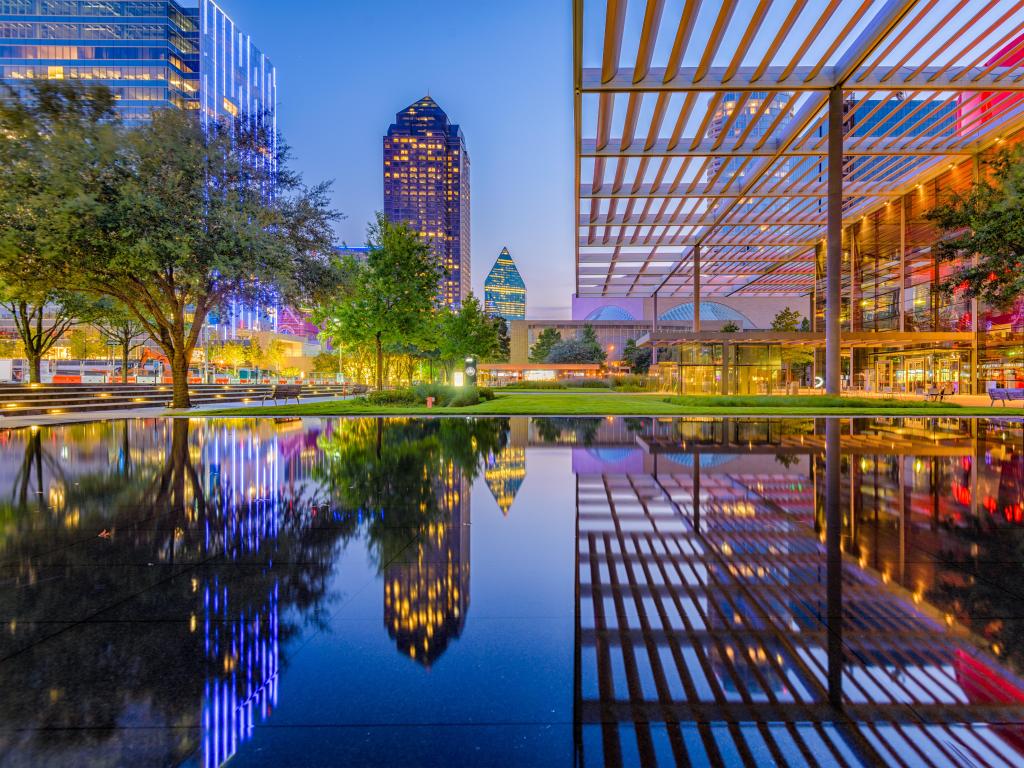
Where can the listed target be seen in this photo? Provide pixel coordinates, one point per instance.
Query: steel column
(833, 562)
(834, 253)
(696, 289)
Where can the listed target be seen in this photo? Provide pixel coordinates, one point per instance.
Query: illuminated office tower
(151, 53)
(426, 185)
(504, 289)
(426, 595)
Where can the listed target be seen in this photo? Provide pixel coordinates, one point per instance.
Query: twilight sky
(501, 70)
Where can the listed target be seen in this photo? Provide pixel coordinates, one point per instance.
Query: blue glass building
(504, 289)
(151, 53)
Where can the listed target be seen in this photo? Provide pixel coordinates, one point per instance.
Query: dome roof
(709, 310)
(610, 312)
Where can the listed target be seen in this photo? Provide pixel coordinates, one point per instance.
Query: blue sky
(501, 70)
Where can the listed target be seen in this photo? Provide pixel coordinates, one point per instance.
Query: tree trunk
(34, 366)
(124, 364)
(380, 364)
(179, 377)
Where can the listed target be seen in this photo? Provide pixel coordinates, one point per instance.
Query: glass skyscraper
(504, 289)
(426, 185)
(150, 53)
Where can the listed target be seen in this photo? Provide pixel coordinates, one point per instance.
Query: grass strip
(609, 404)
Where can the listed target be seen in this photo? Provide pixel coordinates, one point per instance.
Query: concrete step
(35, 402)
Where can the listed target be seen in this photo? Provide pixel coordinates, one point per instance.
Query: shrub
(486, 393)
(468, 396)
(634, 383)
(546, 384)
(587, 383)
(442, 394)
(392, 397)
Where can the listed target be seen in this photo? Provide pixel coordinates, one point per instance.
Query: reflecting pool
(574, 591)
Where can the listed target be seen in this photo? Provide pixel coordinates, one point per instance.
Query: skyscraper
(150, 53)
(426, 185)
(504, 289)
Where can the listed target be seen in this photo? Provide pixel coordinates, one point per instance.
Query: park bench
(1004, 394)
(937, 394)
(284, 392)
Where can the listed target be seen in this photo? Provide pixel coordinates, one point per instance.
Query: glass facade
(504, 289)
(426, 185)
(151, 53)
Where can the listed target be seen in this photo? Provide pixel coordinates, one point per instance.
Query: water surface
(513, 592)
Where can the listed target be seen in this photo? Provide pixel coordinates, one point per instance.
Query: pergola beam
(800, 79)
(938, 145)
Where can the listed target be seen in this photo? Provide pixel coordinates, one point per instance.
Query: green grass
(557, 403)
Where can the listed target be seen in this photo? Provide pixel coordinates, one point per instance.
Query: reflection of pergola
(705, 636)
(706, 137)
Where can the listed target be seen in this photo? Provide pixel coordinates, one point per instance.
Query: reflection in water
(169, 504)
(748, 590)
(408, 481)
(729, 612)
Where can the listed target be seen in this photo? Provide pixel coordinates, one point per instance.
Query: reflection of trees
(151, 645)
(391, 472)
(567, 429)
(407, 481)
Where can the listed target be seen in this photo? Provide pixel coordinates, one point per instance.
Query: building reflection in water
(408, 483)
(190, 500)
(426, 597)
(505, 472)
(721, 620)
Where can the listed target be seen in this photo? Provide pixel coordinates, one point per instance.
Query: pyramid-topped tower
(505, 289)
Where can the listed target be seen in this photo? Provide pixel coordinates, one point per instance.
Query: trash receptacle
(430, 402)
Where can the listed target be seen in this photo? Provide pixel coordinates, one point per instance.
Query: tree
(230, 354)
(542, 347)
(466, 332)
(789, 321)
(730, 327)
(786, 320)
(391, 298)
(987, 221)
(174, 218)
(43, 139)
(41, 316)
(573, 351)
(637, 358)
(589, 337)
(325, 363)
(121, 328)
(504, 348)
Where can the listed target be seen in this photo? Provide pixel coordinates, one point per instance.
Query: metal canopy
(704, 123)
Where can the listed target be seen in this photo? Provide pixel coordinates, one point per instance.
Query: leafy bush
(634, 383)
(486, 393)
(546, 384)
(392, 397)
(587, 383)
(442, 394)
(468, 396)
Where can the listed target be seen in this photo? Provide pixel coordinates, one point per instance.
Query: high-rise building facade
(504, 289)
(151, 53)
(426, 185)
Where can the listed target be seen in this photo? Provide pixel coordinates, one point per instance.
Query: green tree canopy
(390, 300)
(793, 357)
(987, 221)
(119, 327)
(171, 218)
(465, 332)
(45, 140)
(542, 347)
(637, 358)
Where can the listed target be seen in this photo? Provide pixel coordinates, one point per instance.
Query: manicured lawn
(556, 403)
